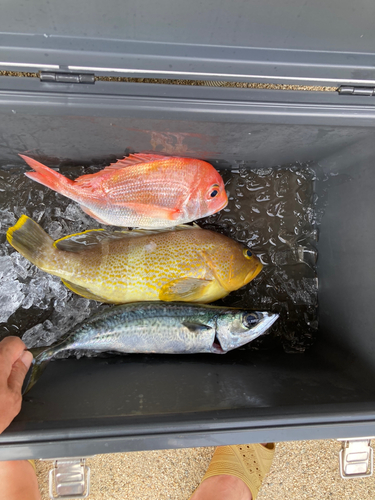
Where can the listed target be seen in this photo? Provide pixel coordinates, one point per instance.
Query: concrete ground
(302, 470)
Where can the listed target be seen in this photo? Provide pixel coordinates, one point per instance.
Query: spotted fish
(187, 263)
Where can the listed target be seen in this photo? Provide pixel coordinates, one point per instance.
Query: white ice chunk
(7, 271)
(55, 230)
(73, 212)
(7, 219)
(40, 335)
(21, 265)
(11, 297)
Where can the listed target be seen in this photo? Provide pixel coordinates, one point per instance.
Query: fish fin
(38, 365)
(79, 242)
(134, 233)
(128, 161)
(80, 290)
(29, 239)
(155, 211)
(183, 289)
(94, 216)
(137, 158)
(196, 327)
(47, 176)
(143, 232)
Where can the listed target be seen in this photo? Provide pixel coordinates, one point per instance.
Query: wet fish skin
(164, 328)
(142, 190)
(185, 263)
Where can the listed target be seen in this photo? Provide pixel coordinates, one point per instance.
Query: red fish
(142, 190)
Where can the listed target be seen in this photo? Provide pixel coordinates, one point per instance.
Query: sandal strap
(249, 462)
(32, 462)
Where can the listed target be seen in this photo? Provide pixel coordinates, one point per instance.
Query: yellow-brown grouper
(185, 263)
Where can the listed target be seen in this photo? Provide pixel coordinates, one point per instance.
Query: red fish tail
(48, 177)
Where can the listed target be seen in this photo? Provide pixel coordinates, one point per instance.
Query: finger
(11, 349)
(19, 370)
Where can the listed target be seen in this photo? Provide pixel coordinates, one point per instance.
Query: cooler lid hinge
(349, 90)
(51, 76)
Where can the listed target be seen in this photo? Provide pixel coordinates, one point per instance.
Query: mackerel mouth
(216, 346)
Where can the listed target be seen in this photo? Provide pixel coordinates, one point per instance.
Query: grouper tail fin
(30, 240)
(39, 364)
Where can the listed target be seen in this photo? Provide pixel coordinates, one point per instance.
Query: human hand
(14, 364)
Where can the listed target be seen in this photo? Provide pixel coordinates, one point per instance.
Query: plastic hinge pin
(50, 76)
(69, 479)
(364, 91)
(356, 458)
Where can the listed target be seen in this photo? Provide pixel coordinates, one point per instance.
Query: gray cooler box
(88, 406)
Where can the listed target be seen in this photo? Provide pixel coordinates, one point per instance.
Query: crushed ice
(33, 304)
(273, 211)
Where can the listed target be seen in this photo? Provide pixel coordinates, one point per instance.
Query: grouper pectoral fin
(80, 290)
(184, 289)
(196, 327)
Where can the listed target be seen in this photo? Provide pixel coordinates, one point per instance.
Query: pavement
(301, 470)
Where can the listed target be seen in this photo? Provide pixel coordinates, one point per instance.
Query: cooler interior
(312, 379)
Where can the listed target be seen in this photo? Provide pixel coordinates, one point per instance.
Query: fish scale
(188, 263)
(146, 327)
(148, 191)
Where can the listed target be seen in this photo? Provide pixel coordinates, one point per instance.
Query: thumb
(19, 371)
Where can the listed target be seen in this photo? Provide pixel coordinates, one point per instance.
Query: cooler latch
(356, 458)
(348, 90)
(50, 76)
(69, 478)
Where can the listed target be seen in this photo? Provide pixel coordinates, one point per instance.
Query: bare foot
(222, 487)
(18, 481)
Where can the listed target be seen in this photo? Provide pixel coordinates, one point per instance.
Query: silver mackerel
(158, 327)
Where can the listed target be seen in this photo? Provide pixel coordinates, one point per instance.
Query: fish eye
(214, 191)
(250, 320)
(247, 253)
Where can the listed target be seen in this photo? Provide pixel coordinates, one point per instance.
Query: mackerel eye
(214, 191)
(247, 253)
(250, 320)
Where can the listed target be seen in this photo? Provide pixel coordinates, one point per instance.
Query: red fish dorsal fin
(128, 161)
(133, 159)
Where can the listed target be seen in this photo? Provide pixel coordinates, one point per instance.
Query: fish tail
(38, 366)
(31, 241)
(48, 177)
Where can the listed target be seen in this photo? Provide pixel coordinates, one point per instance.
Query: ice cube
(11, 297)
(31, 336)
(72, 212)
(55, 230)
(21, 265)
(7, 271)
(7, 219)
(40, 335)
(38, 213)
(27, 301)
(38, 288)
(59, 293)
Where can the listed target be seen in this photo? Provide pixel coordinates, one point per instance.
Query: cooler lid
(323, 42)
